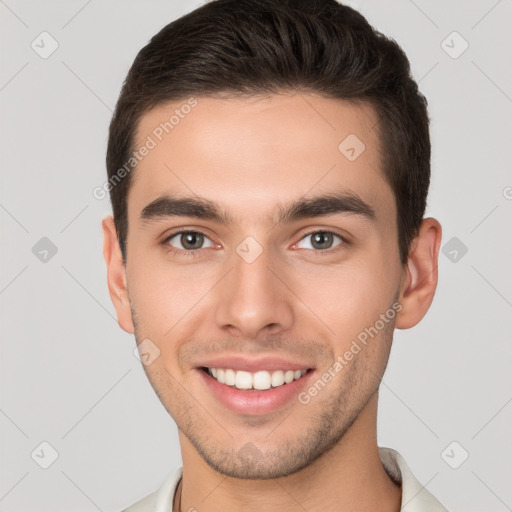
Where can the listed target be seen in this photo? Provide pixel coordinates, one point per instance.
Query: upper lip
(253, 363)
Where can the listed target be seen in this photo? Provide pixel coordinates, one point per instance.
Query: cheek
(166, 297)
(345, 300)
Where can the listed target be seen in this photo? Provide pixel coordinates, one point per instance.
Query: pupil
(322, 239)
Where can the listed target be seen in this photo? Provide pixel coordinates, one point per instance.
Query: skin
(294, 301)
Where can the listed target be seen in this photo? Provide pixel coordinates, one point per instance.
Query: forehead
(251, 154)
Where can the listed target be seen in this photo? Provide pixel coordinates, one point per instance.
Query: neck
(348, 477)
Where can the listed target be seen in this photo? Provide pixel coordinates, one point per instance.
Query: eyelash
(194, 253)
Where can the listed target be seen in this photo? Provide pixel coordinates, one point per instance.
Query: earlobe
(116, 275)
(420, 275)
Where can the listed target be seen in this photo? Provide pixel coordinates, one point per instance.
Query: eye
(189, 241)
(321, 240)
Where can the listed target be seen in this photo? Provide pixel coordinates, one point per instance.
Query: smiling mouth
(255, 381)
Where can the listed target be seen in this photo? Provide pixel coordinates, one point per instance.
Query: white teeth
(243, 380)
(289, 376)
(229, 377)
(277, 378)
(260, 380)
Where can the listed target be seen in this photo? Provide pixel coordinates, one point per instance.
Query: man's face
(262, 293)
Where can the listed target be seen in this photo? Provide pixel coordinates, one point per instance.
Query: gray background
(68, 373)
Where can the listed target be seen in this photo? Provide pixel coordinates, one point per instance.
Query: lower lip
(254, 402)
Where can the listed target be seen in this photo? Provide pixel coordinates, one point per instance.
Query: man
(269, 164)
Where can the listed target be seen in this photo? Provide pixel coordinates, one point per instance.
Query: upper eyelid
(184, 231)
(343, 237)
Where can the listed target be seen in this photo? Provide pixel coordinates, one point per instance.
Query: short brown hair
(252, 47)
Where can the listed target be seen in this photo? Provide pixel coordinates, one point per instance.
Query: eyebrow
(202, 208)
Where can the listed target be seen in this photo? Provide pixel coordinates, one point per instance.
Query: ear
(116, 275)
(419, 279)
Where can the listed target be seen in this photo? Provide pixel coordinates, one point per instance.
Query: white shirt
(415, 498)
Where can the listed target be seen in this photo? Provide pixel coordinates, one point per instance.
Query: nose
(253, 299)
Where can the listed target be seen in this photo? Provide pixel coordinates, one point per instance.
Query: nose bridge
(252, 297)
